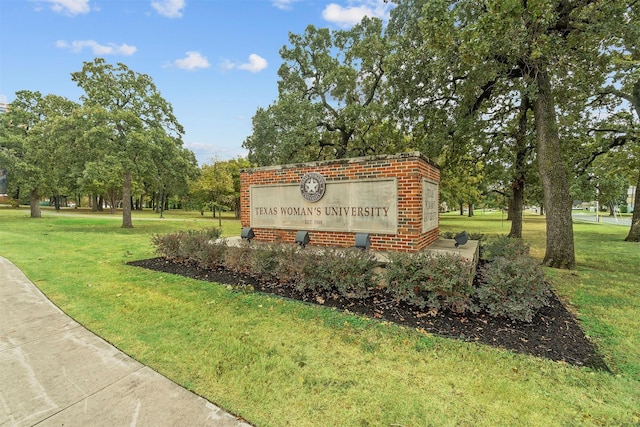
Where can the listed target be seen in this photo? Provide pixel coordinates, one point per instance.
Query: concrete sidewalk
(54, 372)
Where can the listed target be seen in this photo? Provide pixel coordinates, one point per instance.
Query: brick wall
(408, 168)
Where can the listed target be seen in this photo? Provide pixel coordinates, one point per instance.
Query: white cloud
(69, 7)
(97, 48)
(283, 4)
(352, 14)
(192, 61)
(169, 8)
(256, 64)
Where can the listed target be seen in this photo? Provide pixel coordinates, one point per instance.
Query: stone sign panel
(353, 206)
(430, 197)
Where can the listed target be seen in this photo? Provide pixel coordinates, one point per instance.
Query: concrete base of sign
(469, 251)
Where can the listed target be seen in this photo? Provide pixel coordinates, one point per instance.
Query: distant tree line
(120, 147)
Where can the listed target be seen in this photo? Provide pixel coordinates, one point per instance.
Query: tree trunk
(510, 209)
(461, 209)
(470, 213)
(100, 203)
(515, 208)
(34, 202)
(560, 251)
(158, 198)
(126, 201)
(517, 185)
(634, 231)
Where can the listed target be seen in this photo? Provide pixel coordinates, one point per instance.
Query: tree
(172, 170)
(133, 117)
(31, 145)
(213, 184)
(234, 166)
(104, 177)
(624, 87)
(481, 55)
(331, 99)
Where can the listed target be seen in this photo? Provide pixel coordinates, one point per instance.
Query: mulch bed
(553, 333)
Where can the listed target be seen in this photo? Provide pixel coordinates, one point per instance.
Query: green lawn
(278, 362)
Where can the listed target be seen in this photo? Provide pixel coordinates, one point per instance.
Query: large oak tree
(474, 58)
(332, 101)
(134, 120)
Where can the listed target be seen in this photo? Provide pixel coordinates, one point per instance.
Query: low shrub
(350, 271)
(513, 287)
(315, 271)
(188, 245)
(503, 246)
(238, 258)
(437, 281)
(274, 261)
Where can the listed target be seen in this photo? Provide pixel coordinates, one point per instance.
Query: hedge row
(513, 284)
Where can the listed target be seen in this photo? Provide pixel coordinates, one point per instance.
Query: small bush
(352, 271)
(314, 271)
(504, 246)
(438, 281)
(187, 245)
(274, 261)
(513, 287)
(238, 258)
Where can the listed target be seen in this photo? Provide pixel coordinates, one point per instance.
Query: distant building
(3, 107)
(631, 197)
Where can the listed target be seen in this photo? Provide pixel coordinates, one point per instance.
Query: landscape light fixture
(363, 241)
(302, 238)
(247, 233)
(461, 238)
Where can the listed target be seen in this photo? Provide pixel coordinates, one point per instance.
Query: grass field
(277, 362)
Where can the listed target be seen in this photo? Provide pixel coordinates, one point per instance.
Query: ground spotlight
(363, 241)
(302, 238)
(461, 238)
(247, 233)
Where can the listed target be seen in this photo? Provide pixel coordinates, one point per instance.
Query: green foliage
(191, 245)
(271, 261)
(437, 281)
(136, 125)
(331, 101)
(513, 287)
(504, 246)
(236, 258)
(350, 271)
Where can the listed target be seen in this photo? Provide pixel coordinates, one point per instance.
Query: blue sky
(215, 61)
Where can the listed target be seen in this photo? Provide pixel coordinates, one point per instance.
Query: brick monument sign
(393, 198)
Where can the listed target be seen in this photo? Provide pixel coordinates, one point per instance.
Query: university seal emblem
(312, 186)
